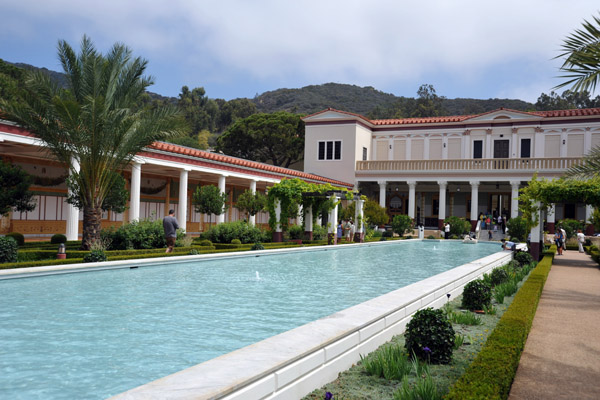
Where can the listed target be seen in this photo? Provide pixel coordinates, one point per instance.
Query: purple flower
(328, 396)
(426, 349)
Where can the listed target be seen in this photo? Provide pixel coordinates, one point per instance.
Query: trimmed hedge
(491, 374)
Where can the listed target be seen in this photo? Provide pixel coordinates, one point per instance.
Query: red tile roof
(580, 112)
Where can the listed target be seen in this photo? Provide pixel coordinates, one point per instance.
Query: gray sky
(235, 48)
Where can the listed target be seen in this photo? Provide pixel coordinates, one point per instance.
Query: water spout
(257, 276)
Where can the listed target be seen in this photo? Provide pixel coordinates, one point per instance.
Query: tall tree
(95, 122)
(251, 203)
(567, 100)
(15, 189)
(277, 138)
(209, 200)
(582, 52)
(429, 104)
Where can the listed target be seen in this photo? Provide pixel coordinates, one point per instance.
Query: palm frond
(589, 168)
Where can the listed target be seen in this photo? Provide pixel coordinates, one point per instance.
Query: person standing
(564, 238)
(558, 241)
(580, 240)
(446, 231)
(170, 226)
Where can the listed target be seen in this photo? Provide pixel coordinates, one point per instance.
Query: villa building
(163, 176)
(432, 168)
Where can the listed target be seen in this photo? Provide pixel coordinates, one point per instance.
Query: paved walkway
(561, 359)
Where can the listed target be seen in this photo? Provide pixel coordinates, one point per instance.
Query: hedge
(491, 374)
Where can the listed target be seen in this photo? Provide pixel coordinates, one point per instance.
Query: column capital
(515, 183)
(442, 183)
(411, 184)
(380, 183)
(474, 183)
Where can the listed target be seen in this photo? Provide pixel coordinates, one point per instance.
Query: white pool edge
(294, 363)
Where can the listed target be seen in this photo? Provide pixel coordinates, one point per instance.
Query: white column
(134, 201)
(252, 219)
(183, 200)
(444, 147)
(589, 209)
(442, 202)
(514, 198)
(72, 232)
(488, 144)
(474, 199)
(278, 216)
(333, 216)
(411, 198)
(513, 144)
(358, 212)
(308, 220)
(551, 215)
(221, 218)
(382, 189)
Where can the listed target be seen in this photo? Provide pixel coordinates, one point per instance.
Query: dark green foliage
(143, 234)
(94, 256)
(512, 265)
(498, 276)
(523, 258)
(402, 224)
(236, 242)
(257, 246)
(375, 214)
(296, 232)
(193, 252)
(15, 189)
(205, 242)
(18, 237)
(491, 374)
(517, 228)
(570, 226)
(251, 203)
(209, 200)
(430, 336)
(389, 362)
(226, 232)
(115, 200)
(58, 238)
(8, 250)
(319, 232)
(277, 138)
(458, 226)
(387, 234)
(476, 295)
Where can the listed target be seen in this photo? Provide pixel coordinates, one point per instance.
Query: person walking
(170, 225)
(564, 238)
(580, 240)
(558, 241)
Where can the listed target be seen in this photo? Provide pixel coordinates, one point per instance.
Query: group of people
(490, 221)
(560, 239)
(346, 229)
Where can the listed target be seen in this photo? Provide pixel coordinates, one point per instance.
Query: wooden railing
(527, 164)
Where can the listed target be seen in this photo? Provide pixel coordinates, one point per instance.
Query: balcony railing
(487, 164)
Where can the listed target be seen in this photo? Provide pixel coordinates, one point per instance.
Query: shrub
(205, 242)
(388, 362)
(512, 265)
(430, 237)
(94, 256)
(193, 252)
(319, 232)
(257, 246)
(523, 258)
(464, 318)
(226, 232)
(296, 232)
(143, 234)
(236, 242)
(517, 228)
(58, 238)
(19, 238)
(8, 250)
(386, 234)
(498, 276)
(458, 226)
(430, 336)
(476, 295)
(402, 224)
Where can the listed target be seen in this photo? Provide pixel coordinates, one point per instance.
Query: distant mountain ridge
(366, 101)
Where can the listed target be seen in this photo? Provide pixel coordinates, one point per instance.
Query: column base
(308, 235)
(277, 237)
(331, 238)
(359, 237)
(534, 250)
(589, 230)
(551, 227)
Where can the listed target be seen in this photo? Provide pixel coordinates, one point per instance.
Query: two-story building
(431, 168)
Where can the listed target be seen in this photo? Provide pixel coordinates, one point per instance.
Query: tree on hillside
(428, 104)
(96, 122)
(15, 189)
(11, 81)
(566, 100)
(277, 138)
(200, 111)
(233, 110)
(582, 52)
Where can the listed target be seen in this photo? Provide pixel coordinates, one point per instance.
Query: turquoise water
(96, 334)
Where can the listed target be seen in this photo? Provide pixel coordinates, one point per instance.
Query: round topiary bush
(498, 276)
(205, 242)
(523, 258)
(94, 256)
(193, 252)
(236, 242)
(430, 336)
(257, 246)
(19, 238)
(476, 295)
(58, 238)
(8, 250)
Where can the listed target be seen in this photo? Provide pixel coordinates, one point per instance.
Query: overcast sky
(238, 48)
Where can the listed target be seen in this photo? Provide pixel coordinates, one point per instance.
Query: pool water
(96, 334)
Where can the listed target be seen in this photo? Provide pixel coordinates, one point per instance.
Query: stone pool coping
(294, 363)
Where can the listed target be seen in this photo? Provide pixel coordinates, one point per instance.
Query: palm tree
(589, 168)
(95, 122)
(582, 64)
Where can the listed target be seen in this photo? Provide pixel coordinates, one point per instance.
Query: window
(364, 154)
(478, 149)
(331, 150)
(525, 148)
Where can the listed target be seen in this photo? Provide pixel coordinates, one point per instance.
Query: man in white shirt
(580, 240)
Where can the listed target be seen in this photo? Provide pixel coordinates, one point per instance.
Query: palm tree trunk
(92, 217)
